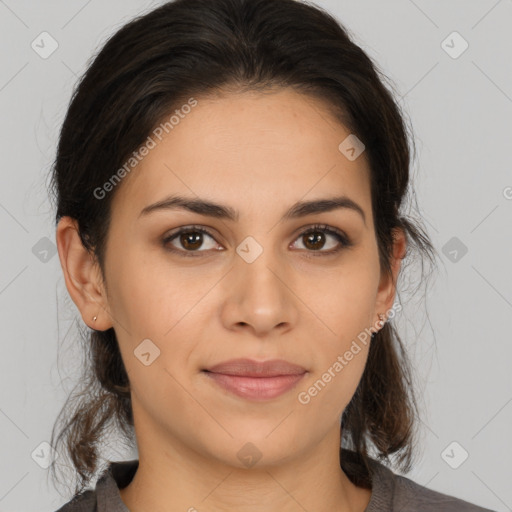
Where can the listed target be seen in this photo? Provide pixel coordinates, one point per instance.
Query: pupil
(311, 237)
(187, 240)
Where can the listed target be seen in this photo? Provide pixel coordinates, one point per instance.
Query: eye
(191, 238)
(314, 239)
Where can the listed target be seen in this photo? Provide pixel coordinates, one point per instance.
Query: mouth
(256, 380)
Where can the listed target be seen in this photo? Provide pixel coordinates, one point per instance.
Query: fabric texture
(390, 492)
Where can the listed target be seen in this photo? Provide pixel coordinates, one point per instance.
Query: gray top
(390, 493)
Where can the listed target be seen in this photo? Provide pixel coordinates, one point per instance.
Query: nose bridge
(259, 290)
(257, 265)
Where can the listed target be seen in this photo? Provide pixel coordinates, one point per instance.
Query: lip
(252, 368)
(256, 380)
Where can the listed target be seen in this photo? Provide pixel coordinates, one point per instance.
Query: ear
(82, 275)
(387, 285)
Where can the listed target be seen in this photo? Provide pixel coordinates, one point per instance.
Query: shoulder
(405, 494)
(411, 494)
(105, 495)
(396, 493)
(85, 502)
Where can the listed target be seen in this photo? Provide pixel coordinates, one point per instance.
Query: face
(187, 290)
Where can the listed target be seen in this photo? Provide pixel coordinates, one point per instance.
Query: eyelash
(323, 228)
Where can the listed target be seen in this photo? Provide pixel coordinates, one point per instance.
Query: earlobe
(82, 276)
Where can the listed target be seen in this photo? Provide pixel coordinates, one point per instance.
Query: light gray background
(461, 110)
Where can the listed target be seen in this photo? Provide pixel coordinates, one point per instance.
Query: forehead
(250, 150)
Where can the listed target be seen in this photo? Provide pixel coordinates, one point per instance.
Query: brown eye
(191, 240)
(188, 241)
(315, 239)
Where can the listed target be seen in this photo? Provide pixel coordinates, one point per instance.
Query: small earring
(381, 320)
(94, 319)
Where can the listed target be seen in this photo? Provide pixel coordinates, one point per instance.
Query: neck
(181, 478)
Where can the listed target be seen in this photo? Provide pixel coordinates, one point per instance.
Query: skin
(258, 154)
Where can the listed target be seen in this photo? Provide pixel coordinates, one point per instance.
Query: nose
(259, 296)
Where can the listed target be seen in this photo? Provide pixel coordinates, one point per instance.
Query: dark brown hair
(195, 48)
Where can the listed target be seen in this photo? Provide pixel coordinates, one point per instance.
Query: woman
(228, 182)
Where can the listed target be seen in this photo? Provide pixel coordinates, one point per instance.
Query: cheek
(331, 387)
(147, 296)
(344, 302)
(346, 313)
(152, 301)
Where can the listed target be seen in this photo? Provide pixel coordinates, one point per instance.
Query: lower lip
(256, 388)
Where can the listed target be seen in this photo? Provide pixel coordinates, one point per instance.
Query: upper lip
(252, 368)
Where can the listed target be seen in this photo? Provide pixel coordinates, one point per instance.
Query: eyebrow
(219, 211)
